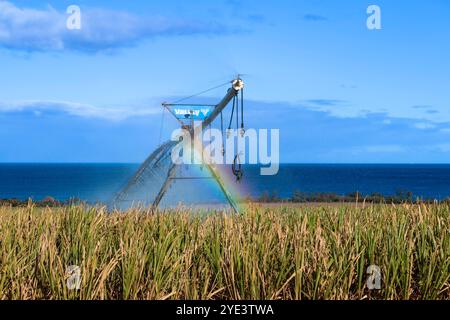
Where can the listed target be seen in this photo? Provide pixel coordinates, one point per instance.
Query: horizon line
(258, 164)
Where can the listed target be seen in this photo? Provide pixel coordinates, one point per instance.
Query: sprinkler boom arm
(232, 92)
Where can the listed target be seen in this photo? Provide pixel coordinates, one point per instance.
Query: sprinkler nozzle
(242, 131)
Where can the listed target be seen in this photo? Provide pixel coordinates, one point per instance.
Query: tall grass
(305, 252)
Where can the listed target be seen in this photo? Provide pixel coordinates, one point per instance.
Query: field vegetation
(282, 252)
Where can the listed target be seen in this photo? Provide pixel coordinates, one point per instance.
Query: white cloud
(384, 149)
(39, 108)
(445, 147)
(425, 125)
(41, 30)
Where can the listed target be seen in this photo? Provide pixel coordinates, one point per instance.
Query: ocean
(99, 182)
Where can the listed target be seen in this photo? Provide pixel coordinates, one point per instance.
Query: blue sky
(337, 91)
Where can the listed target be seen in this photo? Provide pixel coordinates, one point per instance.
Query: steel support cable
(237, 113)
(237, 166)
(232, 113)
(242, 109)
(200, 93)
(221, 130)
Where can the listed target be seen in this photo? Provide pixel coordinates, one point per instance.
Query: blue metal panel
(191, 112)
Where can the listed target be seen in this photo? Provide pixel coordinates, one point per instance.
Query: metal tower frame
(236, 86)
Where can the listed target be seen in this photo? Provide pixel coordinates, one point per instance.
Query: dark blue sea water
(98, 182)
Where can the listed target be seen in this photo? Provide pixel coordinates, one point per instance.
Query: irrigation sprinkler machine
(161, 181)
